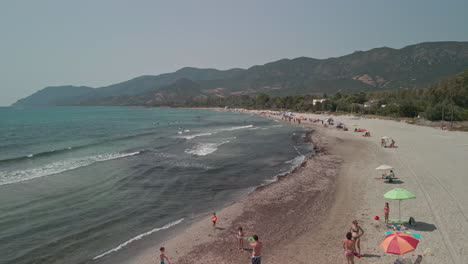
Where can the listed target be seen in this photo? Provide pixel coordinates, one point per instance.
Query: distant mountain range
(413, 66)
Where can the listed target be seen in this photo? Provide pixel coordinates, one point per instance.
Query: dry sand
(303, 217)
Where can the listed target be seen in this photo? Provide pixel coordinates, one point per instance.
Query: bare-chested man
(162, 256)
(257, 250)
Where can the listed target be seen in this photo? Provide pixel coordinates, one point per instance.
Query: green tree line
(446, 99)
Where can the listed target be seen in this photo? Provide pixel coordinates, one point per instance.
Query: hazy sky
(97, 42)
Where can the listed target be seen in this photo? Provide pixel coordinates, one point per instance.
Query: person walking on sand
(349, 248)
(257, 250)
(240, 236)
(386, 212)
(162, 256)
(357, 232)
(214, 219)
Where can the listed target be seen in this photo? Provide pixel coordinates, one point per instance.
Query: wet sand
(303, 217)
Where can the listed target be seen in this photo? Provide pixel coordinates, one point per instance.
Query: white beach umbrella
(384, 167)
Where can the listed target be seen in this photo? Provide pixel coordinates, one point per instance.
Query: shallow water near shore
(79, 184)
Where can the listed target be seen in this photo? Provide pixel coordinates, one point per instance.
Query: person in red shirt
(214, 219)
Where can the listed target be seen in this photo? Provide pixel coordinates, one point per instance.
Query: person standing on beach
(386, 212)
(240, 236)
(162, 256)
(257, 250)
(349, 248)
(357, 232)
(214, 219)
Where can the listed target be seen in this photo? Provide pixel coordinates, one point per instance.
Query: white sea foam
(189, 164)
(216, 131)
(197, 135)
(203, 149)
(8, 177)
(234, 128)
(138, 238)
(296, 161)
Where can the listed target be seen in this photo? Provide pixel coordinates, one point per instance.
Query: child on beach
(214, 219)
(240, 236)
(163, 256)
(349, 248)
(386, 212)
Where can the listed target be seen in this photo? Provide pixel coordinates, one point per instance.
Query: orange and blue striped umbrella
(399, 243)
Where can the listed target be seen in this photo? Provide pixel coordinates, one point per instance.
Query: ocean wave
(8, 177)
(203, 149)
(234, 128)
(296, 161)
(138, 238)
(189, 164)
(197, 135)
(72, 148)
(216, 131)
(42, 154)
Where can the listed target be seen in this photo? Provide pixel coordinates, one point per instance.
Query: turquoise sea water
(83, 184)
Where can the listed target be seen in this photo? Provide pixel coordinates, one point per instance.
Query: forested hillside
(415, 66)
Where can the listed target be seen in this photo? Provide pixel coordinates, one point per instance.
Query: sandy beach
(302, 217)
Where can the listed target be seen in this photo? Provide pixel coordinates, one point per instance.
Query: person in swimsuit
(257, 250)
(357, 232)
(214, 219)
(162, 256)
(240, 236)
(386, 212)
(349, 248)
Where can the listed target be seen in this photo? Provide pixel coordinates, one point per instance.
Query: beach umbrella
(384, 167)
(399, 243)
(385, 137)
(339, 123)
(362, 130)
(399, 194)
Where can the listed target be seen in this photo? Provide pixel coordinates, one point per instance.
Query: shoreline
(303, 217)
(199, 237)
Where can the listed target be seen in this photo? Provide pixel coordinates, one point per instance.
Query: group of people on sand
(352, 242)
(254, 242)
(383, 143)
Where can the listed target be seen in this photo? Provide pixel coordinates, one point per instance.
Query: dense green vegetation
(446, 99)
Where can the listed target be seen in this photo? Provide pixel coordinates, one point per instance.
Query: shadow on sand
(395, 182)
(423, 226)
(370, 256)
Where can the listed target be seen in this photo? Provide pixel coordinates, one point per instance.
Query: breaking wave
(138, 238)
(8, 177)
